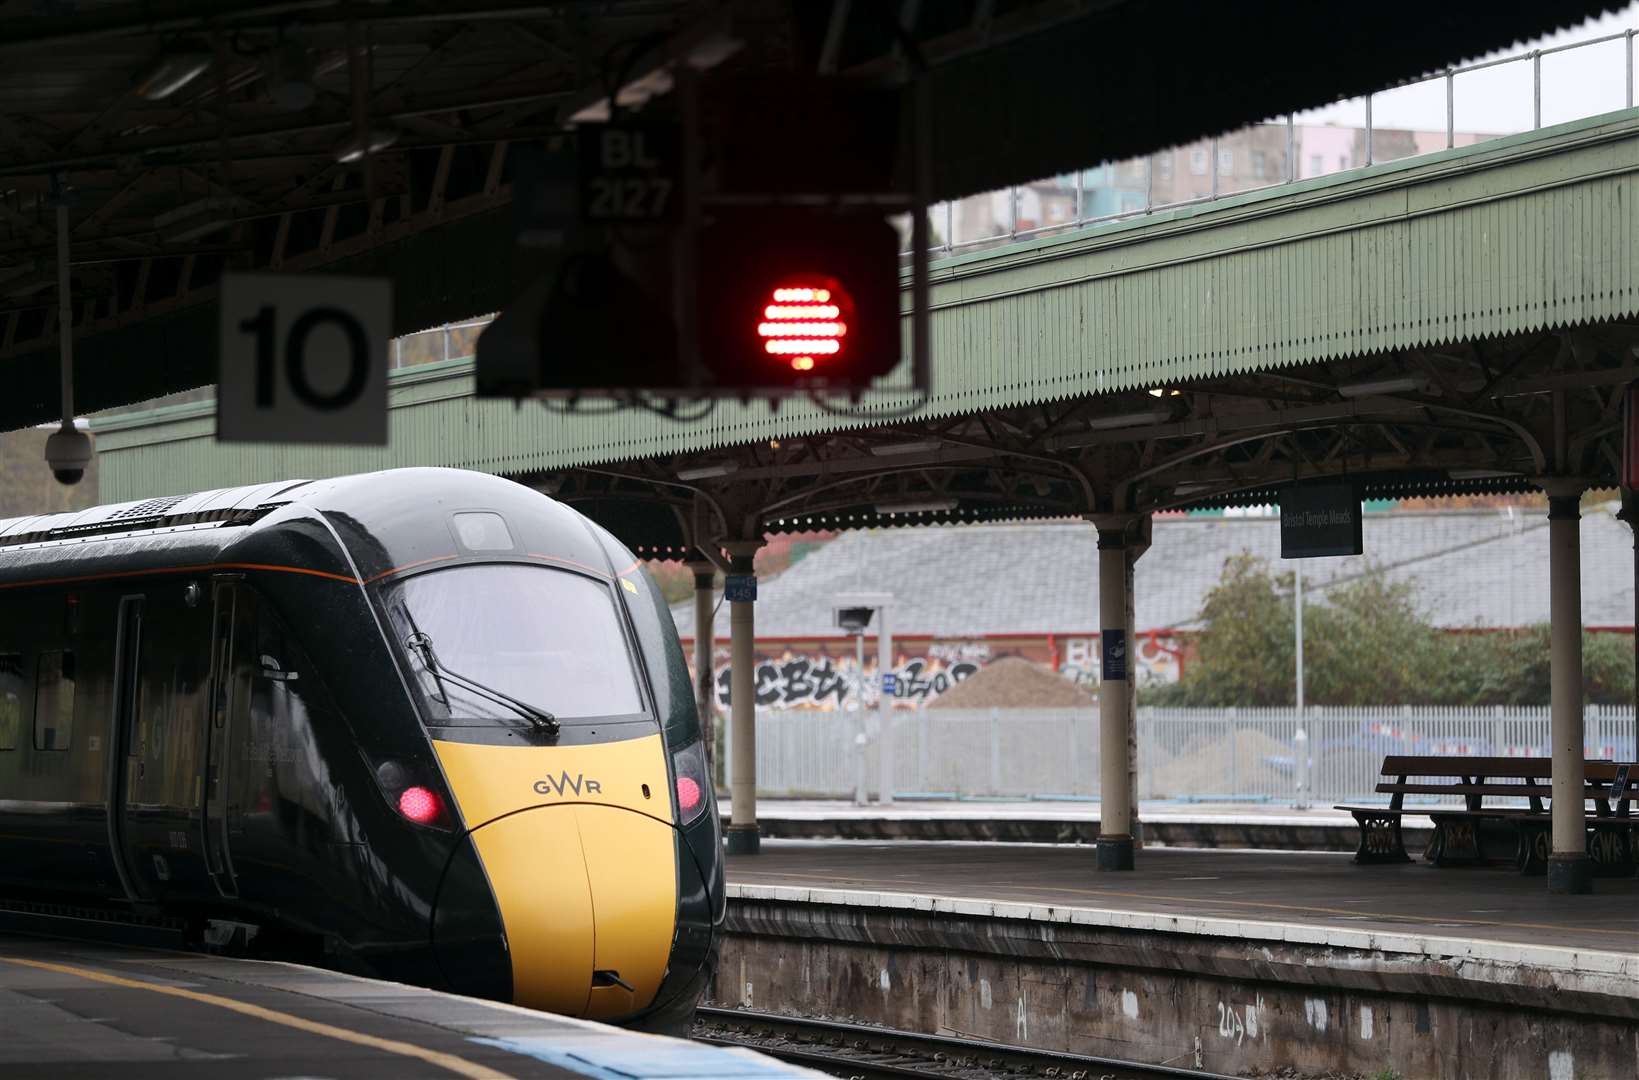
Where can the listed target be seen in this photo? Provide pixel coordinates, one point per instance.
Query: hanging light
(178, 64)
(354, 148)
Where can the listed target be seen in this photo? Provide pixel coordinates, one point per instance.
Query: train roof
(380, 520)
(238, 505)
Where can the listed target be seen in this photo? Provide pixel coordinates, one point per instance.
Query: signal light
(806, 321)
(798, 297)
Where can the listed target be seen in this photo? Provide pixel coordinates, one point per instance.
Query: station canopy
(260, 158)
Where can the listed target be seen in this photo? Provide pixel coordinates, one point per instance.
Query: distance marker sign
(303, 359)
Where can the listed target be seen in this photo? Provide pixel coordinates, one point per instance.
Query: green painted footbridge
(1509, 237)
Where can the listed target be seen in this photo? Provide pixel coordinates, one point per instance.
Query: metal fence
(1206, 755)
(1518, 93)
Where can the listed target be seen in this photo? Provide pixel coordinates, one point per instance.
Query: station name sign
(1320, 520)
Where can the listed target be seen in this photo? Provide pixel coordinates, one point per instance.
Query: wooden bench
(1612, 832)
(1473, 832)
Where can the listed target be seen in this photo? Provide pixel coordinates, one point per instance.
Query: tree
(1367, 643)
(1245, 648)
(1514, 668)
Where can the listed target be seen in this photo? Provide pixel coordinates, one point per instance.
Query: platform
(1172, 823)
(1230, 960)
(1275, 888)
(73, 1010)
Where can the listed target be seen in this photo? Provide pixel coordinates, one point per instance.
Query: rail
(1239, 161)
(858, 1050)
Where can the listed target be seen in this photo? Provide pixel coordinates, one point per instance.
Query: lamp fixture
(1398, 384)
(1132, 419)
(353, 148)
(708, 472)
(915, 506)
(922, 446)
(701, 48)
(178, 65)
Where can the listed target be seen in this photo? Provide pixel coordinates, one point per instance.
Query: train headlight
(693, 784)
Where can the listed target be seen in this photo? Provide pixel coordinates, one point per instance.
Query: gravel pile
(1217, 766)
(1013, 682)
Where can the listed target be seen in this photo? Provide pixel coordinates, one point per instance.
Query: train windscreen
(488, 642)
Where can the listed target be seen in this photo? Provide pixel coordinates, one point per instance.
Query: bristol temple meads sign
(1320, 519)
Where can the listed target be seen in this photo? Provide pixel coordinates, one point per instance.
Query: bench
(1612, 844)
(1471, 833)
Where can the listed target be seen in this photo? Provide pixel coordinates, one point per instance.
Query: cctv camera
(854, 619)
(68, 452)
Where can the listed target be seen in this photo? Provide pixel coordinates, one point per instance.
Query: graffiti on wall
(801, 681)
(824, 678)
(1156, 662)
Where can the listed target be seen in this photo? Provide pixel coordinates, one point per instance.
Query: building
(965, 595)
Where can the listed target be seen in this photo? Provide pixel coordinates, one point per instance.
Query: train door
(123, 759)
(228, 642)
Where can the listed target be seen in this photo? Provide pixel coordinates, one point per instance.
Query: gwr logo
(564, 784)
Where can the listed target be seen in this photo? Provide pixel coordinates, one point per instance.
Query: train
(427, 724)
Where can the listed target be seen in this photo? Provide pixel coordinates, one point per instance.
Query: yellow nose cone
(586, 882)
(583, 889)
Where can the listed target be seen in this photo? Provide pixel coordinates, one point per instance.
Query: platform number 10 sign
(303, 359)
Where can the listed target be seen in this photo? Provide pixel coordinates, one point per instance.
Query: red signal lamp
(804, 320)
(794, 299)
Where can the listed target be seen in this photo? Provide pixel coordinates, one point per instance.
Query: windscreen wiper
(542, 720)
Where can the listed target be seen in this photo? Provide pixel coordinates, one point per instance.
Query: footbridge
(1419, 323)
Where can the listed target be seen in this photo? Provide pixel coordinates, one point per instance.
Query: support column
(1138, 542)
(743, 837)
(1630, 514)
(1115, 841)
(1569, 870)
(705, 641)
(884, 708)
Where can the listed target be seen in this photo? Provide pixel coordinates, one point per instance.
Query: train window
(54, 700)
(11, 699)
(548, 637)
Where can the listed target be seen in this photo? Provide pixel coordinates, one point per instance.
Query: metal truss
(1494, 415)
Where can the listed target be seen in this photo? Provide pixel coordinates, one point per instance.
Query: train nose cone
(588, 899)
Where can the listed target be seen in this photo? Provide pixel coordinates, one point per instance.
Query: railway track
(872, 1053)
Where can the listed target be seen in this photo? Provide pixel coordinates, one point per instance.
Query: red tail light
(688, 794)
(412, 788)
(689, 766)
(420, 805)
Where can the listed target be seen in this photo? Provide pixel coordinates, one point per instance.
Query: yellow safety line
(457, 1065)
(1203, 901)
